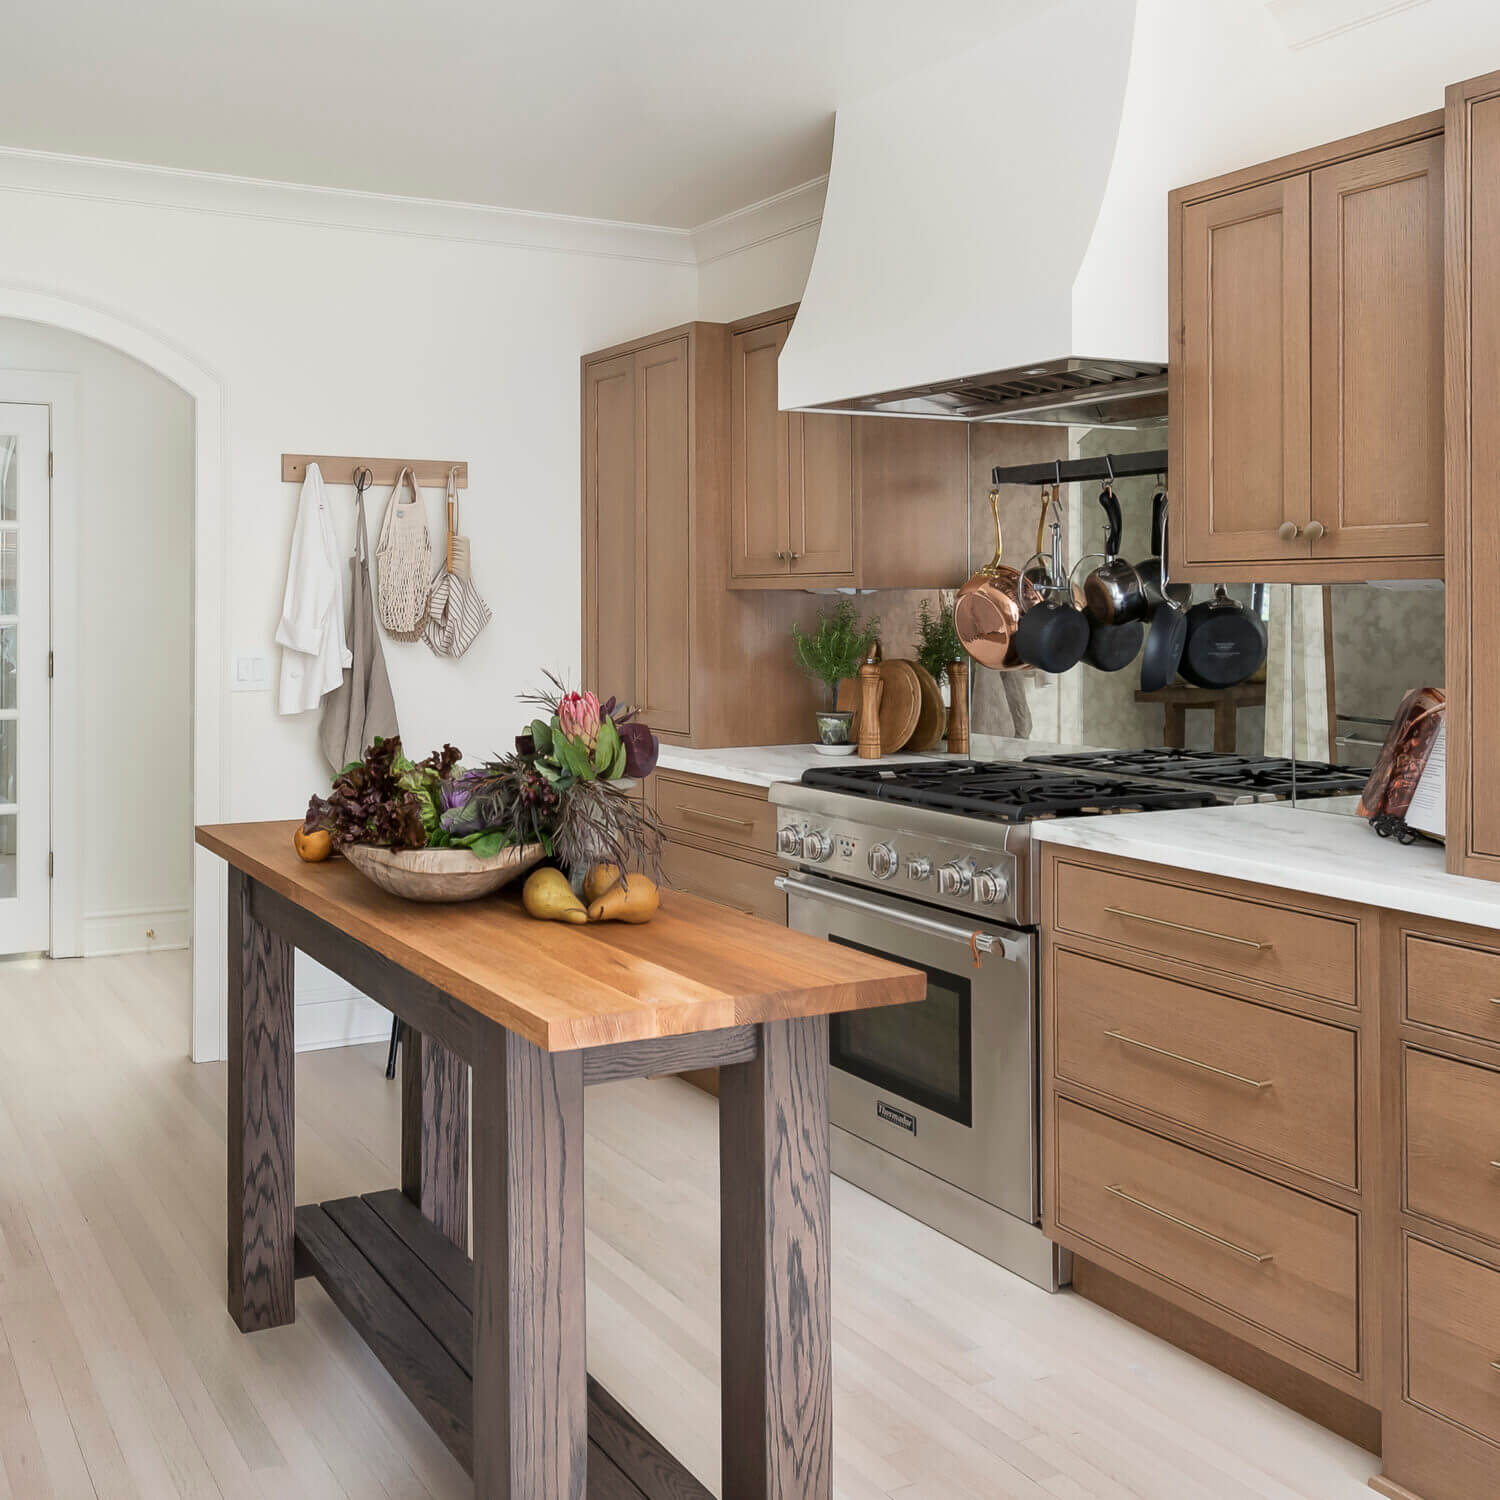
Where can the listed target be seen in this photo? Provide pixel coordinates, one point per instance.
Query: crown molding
(97, 180)
(1306, 23)
(758, 223)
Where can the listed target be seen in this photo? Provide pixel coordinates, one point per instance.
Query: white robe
(311, 632)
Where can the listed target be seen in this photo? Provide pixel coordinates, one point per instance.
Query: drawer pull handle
(1223, 937)
(1215, 1239)
(1495, 1366)
(1192, 1062)
(1496, 1165)
(692, 812)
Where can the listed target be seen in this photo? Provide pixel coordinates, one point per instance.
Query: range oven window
(921, 1052)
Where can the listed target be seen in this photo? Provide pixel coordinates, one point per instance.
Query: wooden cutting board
(930, 720)
(900, 703)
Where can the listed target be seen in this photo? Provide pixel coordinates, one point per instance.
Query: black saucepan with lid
(1225, 645)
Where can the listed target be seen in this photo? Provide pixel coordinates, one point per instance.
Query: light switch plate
(251, 674)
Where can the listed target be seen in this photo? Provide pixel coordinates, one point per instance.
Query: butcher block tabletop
(696, 966)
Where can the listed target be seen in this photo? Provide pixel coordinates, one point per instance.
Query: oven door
(948, 1083)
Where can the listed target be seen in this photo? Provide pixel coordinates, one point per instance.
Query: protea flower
(578, 717)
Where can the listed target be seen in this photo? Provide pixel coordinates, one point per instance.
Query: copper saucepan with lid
(989, 607)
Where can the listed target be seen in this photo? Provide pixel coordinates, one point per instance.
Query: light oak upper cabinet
(1306, 391)
(1473, 422)
(661, 626)
(637, 492)
(820, 500)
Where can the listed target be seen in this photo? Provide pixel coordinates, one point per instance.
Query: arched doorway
(211, 742)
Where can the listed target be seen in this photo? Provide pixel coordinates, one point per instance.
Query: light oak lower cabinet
(720, 844)
(1210, 1107)
(1441, 1102)
(1291, 1169)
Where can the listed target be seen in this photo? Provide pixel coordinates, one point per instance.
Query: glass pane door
(25, 695)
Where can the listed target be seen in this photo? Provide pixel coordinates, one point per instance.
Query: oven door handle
(977, 941)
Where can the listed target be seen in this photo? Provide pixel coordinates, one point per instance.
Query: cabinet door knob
(1289, 531)
(795, 556)
(781, 557)
(1316, 531)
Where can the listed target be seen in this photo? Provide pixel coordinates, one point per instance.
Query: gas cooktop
(1254, 777)
(1002, 791)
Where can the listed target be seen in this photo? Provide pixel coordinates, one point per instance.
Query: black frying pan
(1167, 633)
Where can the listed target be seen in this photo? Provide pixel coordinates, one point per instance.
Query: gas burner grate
(1001, 791)
(1264, 775)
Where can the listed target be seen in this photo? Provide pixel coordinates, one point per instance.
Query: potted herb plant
(937, 642)
(830, 652)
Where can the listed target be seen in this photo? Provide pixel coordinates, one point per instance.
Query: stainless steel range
(935, 1105)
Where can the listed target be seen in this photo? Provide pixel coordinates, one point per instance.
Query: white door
(25, 693)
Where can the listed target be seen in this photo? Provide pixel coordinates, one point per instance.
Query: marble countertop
(765, 765)
(1293, 848)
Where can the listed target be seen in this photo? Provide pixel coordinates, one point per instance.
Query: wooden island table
(492, 1350)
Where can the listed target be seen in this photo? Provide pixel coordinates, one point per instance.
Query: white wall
(1215, 87)
(340, 324)
(133, 498)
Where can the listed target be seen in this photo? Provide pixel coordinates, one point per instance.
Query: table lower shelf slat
(409, 1293)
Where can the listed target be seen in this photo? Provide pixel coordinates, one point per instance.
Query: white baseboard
(349, 1021)
(124, 930)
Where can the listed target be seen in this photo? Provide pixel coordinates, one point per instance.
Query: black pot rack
(1069, 471)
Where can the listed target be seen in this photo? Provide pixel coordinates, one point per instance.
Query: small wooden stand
(869, 705)
(958, 708)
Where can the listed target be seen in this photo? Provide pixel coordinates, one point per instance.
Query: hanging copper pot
(989, 607)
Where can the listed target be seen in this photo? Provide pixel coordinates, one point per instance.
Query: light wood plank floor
(122, 1376)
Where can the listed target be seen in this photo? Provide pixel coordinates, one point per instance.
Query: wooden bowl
(441, 874)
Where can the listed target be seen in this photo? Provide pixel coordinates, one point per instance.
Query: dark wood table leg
(530, 1375)
(435, 1133)
(775, 1265)
(260, 1118)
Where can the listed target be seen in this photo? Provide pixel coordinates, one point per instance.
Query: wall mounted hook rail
(431, 473)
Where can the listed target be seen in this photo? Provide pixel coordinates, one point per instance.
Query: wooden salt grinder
(870, 687)
(958, 708)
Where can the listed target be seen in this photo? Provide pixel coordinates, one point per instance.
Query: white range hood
(962, 205)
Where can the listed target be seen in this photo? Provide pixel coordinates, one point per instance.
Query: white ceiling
(669, 112)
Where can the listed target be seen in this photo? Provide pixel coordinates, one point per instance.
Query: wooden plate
(900, 703)
(929, 728)
(442, 874)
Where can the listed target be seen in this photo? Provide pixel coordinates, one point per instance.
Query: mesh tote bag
(403, 559)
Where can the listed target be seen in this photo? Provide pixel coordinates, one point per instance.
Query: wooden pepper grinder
(870, 692)
(958, 708)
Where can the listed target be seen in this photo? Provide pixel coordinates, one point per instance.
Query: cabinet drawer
(1281, 1260)
(1274, 1083)
(708, 811)
(1453, 1337)
(1453, 1143)
(721, 877)
(1295, 950)
(1453, 987)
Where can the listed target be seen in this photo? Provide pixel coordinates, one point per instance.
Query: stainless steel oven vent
(1072, 392)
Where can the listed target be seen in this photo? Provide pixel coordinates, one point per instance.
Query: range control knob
(883, 861)
(816, 847)
(954, 879)
(918, 869)
(990, 886)
(789, 841)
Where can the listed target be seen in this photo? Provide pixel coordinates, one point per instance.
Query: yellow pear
(598, 880)
(548, 895)
(635, 900)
